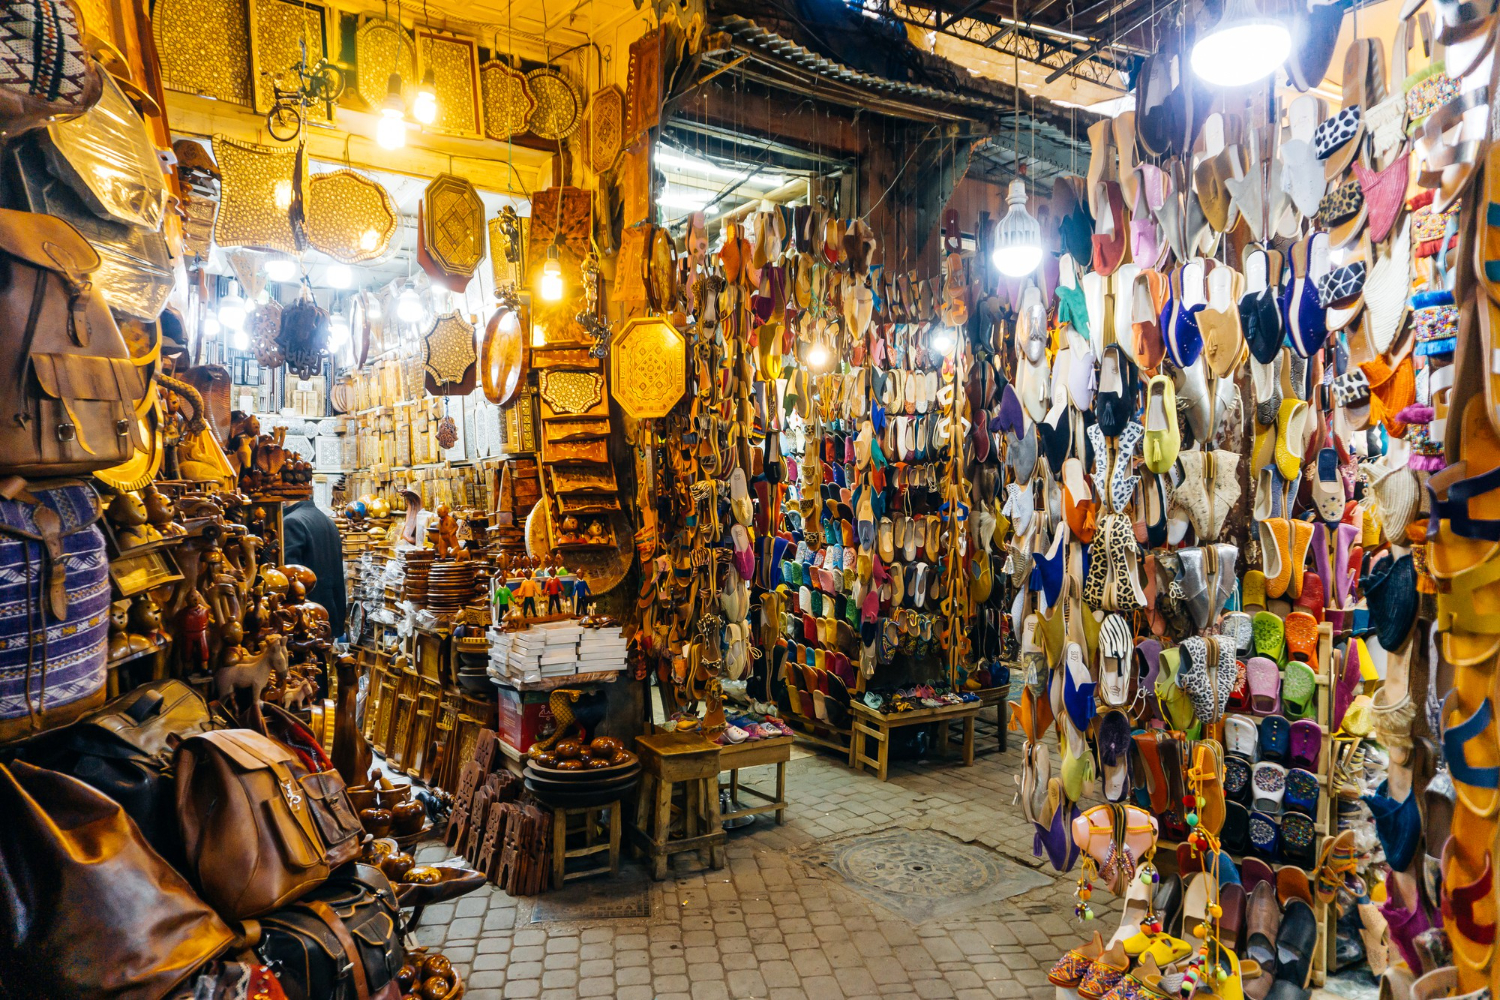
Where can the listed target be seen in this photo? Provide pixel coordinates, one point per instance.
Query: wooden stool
(598, 835)
(756, 753)
(668, 761)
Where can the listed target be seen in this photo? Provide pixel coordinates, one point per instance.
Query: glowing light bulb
(283, 195)
(390, 131)
(552, 277)
(369, 240)
(817, 356)
(281, 269)
(339, 276)
(338, 331)
(211, 325)
(1018, 237)
(232, 309)
(1245, 46)
(241, 340)
(409, 306)
(942, 341)
(424, 108)
(372, 307)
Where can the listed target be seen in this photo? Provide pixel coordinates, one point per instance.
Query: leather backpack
(342, 941)
(258, 829)
(125, 751)
(87, 909)
(68, 384)
(54, 604)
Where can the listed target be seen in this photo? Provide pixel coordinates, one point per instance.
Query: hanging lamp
(1245, 46)
(1018, 236)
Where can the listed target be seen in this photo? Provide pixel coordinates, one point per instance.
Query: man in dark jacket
(311, 539)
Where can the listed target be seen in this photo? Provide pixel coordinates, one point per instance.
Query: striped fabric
(67, 657)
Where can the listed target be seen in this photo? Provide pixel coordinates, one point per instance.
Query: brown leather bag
(68, 385)
(258, 829)
(86, 908)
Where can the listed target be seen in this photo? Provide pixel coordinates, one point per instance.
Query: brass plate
(603, 568)
(606, 127)
(453, 225)
(349, 217)
(277, 30)
(559, 106)
(448, 353)
(454, 62)
(502, 365)
(507, 99)
(256, 195)
(571, 393)
(383, 47)
(204, 47)
(648, 367)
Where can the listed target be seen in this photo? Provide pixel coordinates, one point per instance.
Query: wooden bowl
(456, 882)
(581, 799)
(415, 956)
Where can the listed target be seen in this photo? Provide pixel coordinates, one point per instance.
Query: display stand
(599, 835)
(869, 724)
(756, 753)
(822, 734)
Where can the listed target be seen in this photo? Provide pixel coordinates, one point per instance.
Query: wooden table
(869, 724)
(756, 753)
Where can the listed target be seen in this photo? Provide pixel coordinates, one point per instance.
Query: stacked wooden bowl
(605, 772)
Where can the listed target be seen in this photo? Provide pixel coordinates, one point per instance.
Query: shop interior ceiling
(865, 60)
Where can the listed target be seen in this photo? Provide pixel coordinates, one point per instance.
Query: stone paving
(768, 926)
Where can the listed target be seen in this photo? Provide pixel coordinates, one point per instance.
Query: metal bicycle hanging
(322, 84)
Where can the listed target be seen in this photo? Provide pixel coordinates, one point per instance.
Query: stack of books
(554, 649)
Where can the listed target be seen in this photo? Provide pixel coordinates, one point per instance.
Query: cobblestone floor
(769, 926)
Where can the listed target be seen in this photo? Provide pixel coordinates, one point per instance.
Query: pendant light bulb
(390, 131)
(241, 340)
(281, 270)
(817, 356)
(338, 331)
(409, 306)
(942, 341)
(232, 310)
(1244, 47)
(339, 276)
(424, 108)
(552, 276)
(1018, 237)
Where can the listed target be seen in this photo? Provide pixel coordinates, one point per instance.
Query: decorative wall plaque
(559, 106)
(570, 393)
(349, 217)
(448, 358)
(258, 188)
(454, 62)
(452, 230)
(383, 47)
(570, 224)
(278, 30)
(507, 99)
(502, 362)
(643, 85)
(606, 125)
(204, 47)
(648, 367)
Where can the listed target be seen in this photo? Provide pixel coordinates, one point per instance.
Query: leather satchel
(124, 749)
(258, 829)
(87, 909)
(342, 941)
(66, 376)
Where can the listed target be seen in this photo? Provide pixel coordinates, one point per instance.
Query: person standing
(311, 539)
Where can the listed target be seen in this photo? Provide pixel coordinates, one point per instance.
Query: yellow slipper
(1291, 437)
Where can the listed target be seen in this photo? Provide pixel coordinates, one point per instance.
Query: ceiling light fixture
(390, 131)
(552, 276)
(1018, 237)
(339, 276)
(409, 307)
(232, 309)
(281, 270)
(1245, 46)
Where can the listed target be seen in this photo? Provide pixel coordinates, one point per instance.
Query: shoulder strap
(325, 913)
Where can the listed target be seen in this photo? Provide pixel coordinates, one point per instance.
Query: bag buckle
(290, 793)
(67, 432)
(122, 427)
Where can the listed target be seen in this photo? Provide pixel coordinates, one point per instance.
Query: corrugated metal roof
(747, 33)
